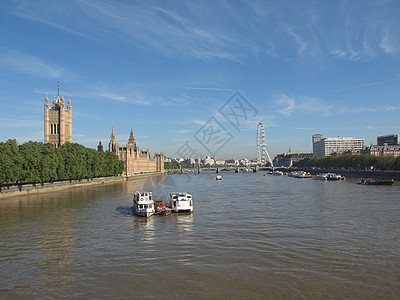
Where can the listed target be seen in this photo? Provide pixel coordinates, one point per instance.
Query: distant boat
(219, 177)
(143, 204)
(370, 181)
(277, 173)
(181, 202)
(330, 177)
(302, 174)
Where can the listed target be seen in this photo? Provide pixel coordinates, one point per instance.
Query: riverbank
(377, 174)
(27, 189)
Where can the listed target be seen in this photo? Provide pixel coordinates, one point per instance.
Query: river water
(251, 235)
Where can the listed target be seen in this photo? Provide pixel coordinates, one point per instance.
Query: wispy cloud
(371, 109)
(20, 123)
(15, 61)
(287, 105)
(210, 89)
(361, 85)
(183, 131)
(389, 44)
(113, 97)
(223, 31)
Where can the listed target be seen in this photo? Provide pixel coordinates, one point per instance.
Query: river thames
(251, 235)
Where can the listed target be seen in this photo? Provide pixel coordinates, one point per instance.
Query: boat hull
(376, 182)
(142, 213)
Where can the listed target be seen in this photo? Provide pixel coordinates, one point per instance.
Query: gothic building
(57, 121)
(136, 161)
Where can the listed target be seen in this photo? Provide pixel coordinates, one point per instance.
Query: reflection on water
(250, 236)
(144, 229)
(57, 248)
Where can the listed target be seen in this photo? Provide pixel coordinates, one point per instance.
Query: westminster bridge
(218, 170)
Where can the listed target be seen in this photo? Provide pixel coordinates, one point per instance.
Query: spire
(69, 102)
(58, 93)
(113, 134)
(46, 100)
(131, 137)
(62, 97)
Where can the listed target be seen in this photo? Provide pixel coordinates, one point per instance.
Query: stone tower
(57, 121)
(113, 146)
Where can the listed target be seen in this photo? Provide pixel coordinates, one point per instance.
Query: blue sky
(166, 68)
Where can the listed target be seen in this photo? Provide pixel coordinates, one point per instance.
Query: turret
(113, 146)
(132, 141)
(69, 107)
(113, 134)
(46, 101)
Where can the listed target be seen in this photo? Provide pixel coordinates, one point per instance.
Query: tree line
(384, 162)
(177, 165)
(35, 162)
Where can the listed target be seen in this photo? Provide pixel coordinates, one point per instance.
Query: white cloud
(288, 105)
(15, 61)
(328, 30)
(389, 45)
(183, 131)
(20, 123)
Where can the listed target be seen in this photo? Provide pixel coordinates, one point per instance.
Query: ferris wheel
(263, 156)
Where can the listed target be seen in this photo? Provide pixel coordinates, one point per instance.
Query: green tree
(10, 162)
(49, 163)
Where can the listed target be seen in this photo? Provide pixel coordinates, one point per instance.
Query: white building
(208, 161)
(326, 146)
(220, 162)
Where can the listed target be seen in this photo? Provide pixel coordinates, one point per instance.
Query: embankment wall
(26, 189)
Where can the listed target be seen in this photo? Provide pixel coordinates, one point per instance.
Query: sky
(194, 78)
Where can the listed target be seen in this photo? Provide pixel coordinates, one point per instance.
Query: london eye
(262, 154)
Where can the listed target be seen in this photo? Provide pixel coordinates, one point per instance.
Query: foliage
(35, 162)
(385, 162)
(177, 165)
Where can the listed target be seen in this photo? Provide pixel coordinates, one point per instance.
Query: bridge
(263, 159)
(218, 170)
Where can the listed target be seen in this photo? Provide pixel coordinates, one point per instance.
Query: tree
(10, 162)
(49, 163)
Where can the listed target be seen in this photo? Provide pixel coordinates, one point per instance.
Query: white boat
(330, 177)
(277, 173)
(143, 204)
(302, 174)
(219, 177)
(181, 202)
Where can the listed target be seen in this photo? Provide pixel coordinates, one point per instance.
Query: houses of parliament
(58, 130)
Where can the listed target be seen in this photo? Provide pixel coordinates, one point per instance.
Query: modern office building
(391, 139)
(316, 138)
(338, 145)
